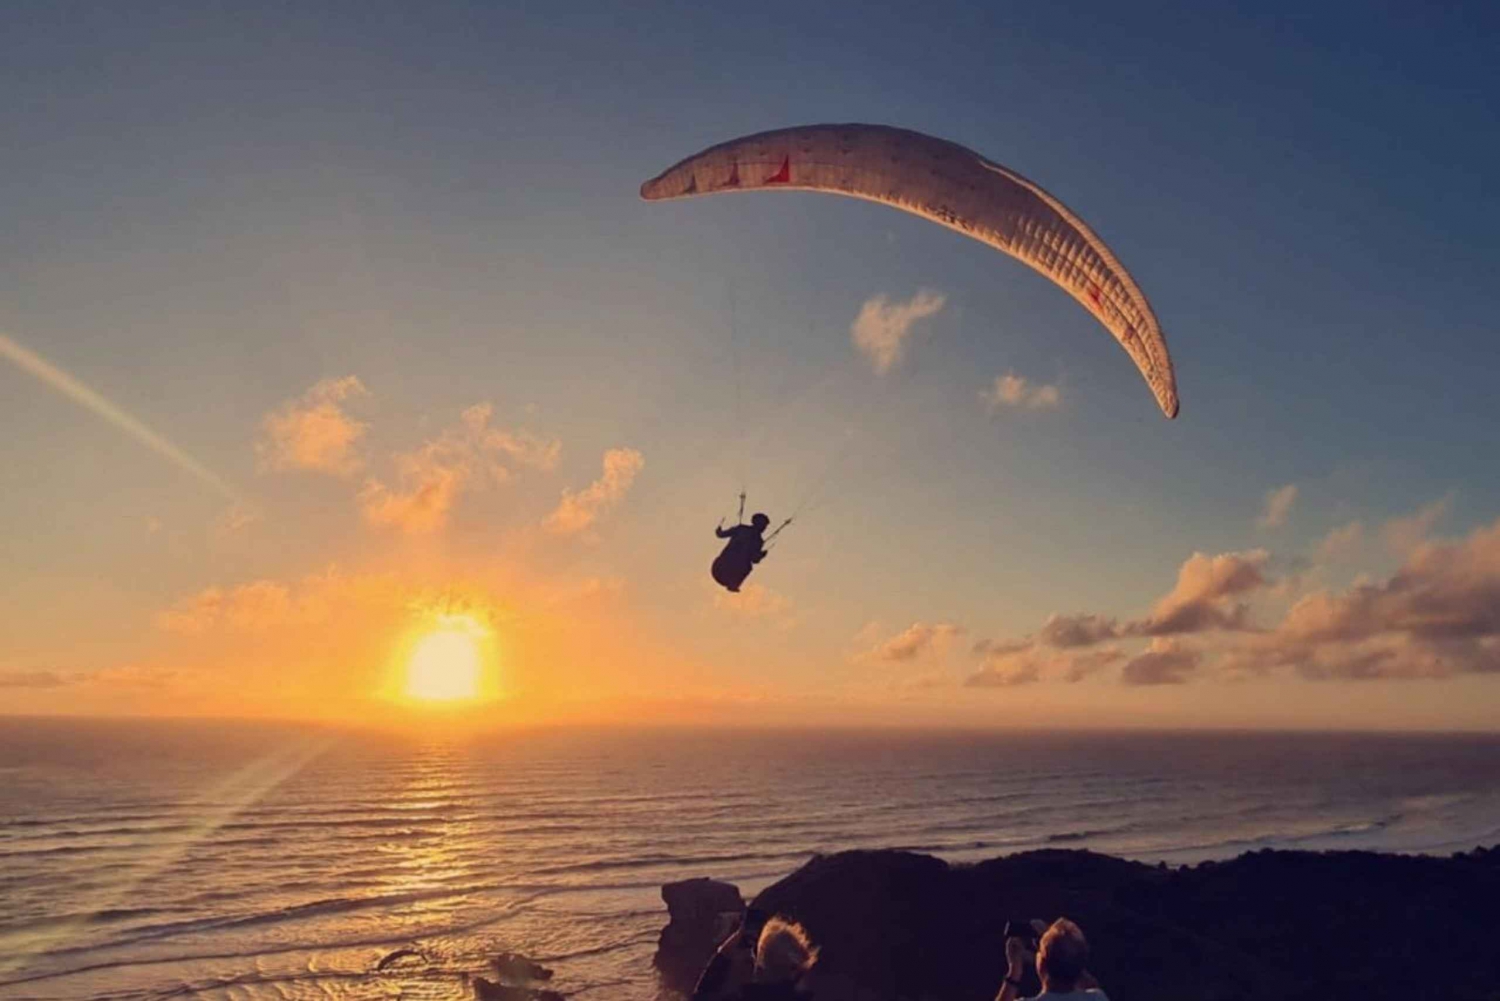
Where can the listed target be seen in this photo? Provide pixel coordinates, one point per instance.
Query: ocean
(160, 859)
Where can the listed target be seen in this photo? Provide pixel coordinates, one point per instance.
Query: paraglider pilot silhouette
(746, 547)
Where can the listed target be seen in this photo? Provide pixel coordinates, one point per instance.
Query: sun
(447, 663)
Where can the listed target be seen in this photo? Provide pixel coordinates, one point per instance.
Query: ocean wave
(1067, 837)
(659, 861)
(289, 913)
(511, 911)
(634, 941)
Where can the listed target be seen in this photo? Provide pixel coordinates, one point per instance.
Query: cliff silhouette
(1266, 925)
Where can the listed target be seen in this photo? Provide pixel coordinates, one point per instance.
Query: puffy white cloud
(1068, 647)
(1277, 506)
(1165, 662)
(578, 510)
(261, 605)
(757, 603)
(753, 601)
(314, 432)
(429, 485)
(1202, 598)
(1437, 616)
(522, 448)
(1077, 630)
(1341, 542)
(1012, 665)
(916, 640)
(882, 327)
(471, 454)
(1015, 392)
(1402, 535)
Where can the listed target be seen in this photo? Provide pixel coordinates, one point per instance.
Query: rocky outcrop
(701, 913)
(488, 990)
(512, 966)
(518, 976)
(1268, 925)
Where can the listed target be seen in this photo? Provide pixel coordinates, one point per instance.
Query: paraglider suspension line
(739, 405)
(770, 539)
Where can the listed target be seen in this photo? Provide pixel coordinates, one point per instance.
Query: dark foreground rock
(487, 990)
(514, 966)
(518, 977)
(701, 912)
(1268, 925)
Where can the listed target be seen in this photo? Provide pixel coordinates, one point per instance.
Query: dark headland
(1267, 925)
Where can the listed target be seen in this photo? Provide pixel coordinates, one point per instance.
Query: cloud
(1202, 597)
(1444, 591)
(1014, 392)
(1437, 616)
(588, 590)
(522, 448)
(193, 614)
(1165, 662)
(1077, 630)
(579, 510)
(1341, 542)
(1277, 506)
(916, 640)
(1067, 647)
(431, 478)
(1397, 657)
(985, 648)
(236, 518)
(314, 432)
(257, 605)
(262, 605)
(753, 601)
(1013, 665)
(1402, 535)
(32, 679)
(420, 503)
(1011, 671)
(881, 329)
(128, 676)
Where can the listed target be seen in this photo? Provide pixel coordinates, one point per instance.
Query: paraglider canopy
(950, 185)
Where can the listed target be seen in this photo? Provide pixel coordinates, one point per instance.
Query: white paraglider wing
(951, 185)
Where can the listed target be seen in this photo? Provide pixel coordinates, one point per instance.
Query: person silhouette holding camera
(1062, 959)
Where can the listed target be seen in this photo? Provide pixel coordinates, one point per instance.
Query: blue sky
(210, 209)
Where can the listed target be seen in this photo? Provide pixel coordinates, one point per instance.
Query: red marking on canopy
(784, 175)
(734, 177)
(1094, 293)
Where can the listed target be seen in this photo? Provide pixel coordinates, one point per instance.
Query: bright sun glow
(446, 664)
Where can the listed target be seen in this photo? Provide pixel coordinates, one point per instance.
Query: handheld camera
(1023, 930)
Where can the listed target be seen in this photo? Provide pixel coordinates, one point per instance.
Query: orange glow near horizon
(447, 663)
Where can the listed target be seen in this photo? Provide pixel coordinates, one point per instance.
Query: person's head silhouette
(760, 521)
